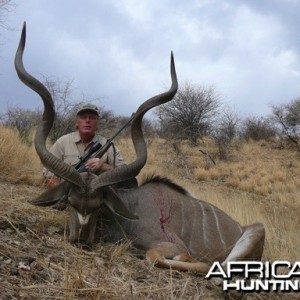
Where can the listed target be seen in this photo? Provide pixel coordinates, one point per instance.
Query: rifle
(97, 150)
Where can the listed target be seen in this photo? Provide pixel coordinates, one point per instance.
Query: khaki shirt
(70, 148)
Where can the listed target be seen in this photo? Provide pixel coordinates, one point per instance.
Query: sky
(118, 51)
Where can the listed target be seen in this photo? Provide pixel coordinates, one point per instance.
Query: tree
(287, 117)
(258, 128)
(190, 114)
(23, 120)
(225, 132)
(66, 108)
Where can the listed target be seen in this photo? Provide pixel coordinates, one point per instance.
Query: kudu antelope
(159, 217)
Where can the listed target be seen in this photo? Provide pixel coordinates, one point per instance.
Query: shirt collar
(77, 138)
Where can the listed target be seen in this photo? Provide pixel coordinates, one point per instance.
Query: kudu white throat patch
(83, 220)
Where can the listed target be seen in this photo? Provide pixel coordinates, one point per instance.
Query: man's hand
(94, 164)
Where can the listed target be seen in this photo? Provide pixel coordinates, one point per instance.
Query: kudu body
(159, 217)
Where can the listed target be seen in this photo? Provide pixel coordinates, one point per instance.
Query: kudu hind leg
(170, 255)
(249, 246)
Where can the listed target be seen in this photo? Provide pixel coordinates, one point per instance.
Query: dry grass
(258, 168)
(259, 184)
(19, 162)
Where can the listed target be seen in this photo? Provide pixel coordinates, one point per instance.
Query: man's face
(87, 123)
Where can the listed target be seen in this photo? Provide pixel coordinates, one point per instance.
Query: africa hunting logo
(258, 276)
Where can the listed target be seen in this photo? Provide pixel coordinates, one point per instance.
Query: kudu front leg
(82, 228)
(169, 255)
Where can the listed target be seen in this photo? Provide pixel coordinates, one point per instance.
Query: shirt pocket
(71, 159)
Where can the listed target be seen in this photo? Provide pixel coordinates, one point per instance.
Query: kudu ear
(53, 197)
(113, 202)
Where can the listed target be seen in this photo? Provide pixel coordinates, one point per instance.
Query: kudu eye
(72, 200)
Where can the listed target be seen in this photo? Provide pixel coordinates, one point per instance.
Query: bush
(258, 129)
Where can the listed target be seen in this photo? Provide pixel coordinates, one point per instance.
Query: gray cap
(88, 107)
